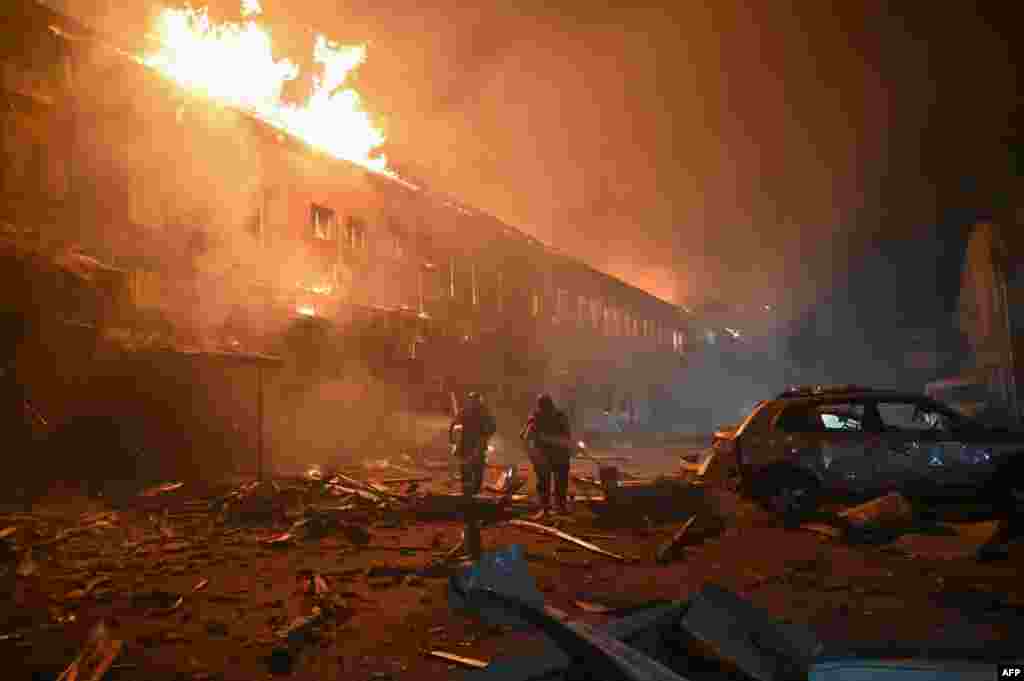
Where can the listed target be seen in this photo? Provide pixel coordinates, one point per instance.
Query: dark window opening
(355, 233)
(324, 223)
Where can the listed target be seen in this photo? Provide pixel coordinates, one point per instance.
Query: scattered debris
(749, 638)
(200, 585)
(457, 550)
(301, 628)
(252, 502)
(603, 655)
(278, 540)
(161, 489)
(216, 628)
(378, 571)
(567, 537)
(670, 549)
(403, 549)
(314, 584)
(95, 582)
(96, 657)
(458, 659)
(890, 510)
(175, 547)
(156, 603)
(28, 566)
(75, 595)
(163, 525)
(821, 528)
(592, 607)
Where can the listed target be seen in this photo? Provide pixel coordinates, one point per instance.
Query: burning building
(242, 222)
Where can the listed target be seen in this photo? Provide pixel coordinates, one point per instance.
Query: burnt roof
(81, 32)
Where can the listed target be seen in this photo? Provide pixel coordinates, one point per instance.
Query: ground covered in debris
(332, 576)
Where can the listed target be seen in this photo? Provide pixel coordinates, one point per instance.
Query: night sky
(759, 152)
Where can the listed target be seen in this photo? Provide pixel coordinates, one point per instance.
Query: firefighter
(548, 438)
(470, 432)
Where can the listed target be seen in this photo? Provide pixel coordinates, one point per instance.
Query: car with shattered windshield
(809, 443)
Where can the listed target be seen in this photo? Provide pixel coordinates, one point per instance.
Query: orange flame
(235, 64)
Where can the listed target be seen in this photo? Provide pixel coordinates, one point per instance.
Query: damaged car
(810, 443)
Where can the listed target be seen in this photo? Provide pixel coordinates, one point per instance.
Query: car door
(813, 436)
(944, 453)
(846, 459)
(918, 446)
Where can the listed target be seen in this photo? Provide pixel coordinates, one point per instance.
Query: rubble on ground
(183, 565)
(889, 511)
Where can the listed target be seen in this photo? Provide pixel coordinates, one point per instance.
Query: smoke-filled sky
(746, 151)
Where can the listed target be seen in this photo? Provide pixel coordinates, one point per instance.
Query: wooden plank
(669, 549)
(458, 659)
(544, 529)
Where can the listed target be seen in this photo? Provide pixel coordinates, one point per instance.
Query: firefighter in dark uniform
(469, 433)
(549, 439)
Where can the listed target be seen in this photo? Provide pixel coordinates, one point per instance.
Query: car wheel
(792, 496)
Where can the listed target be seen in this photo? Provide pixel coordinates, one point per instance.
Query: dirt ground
(93, 563)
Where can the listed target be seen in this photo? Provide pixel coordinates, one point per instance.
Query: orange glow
(234, 63)
(322, 289)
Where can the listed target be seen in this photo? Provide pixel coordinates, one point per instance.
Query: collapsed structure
(220, 232)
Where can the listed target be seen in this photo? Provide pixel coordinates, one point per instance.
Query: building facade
(232, 235)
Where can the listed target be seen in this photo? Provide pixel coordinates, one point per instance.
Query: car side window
(845, 416)
(797, 419)
(912, 417)
(821, 418)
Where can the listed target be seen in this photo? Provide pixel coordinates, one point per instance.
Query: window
(562, 304)
(323, 222)
(535, 304)
(254, 225)
(821, 418)
(848, 416)
(595, 313)
(474, 293)
(678, 341)
(914, 417)
(501, 292)
(399, 239)
(581, 310)
(355, 234)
